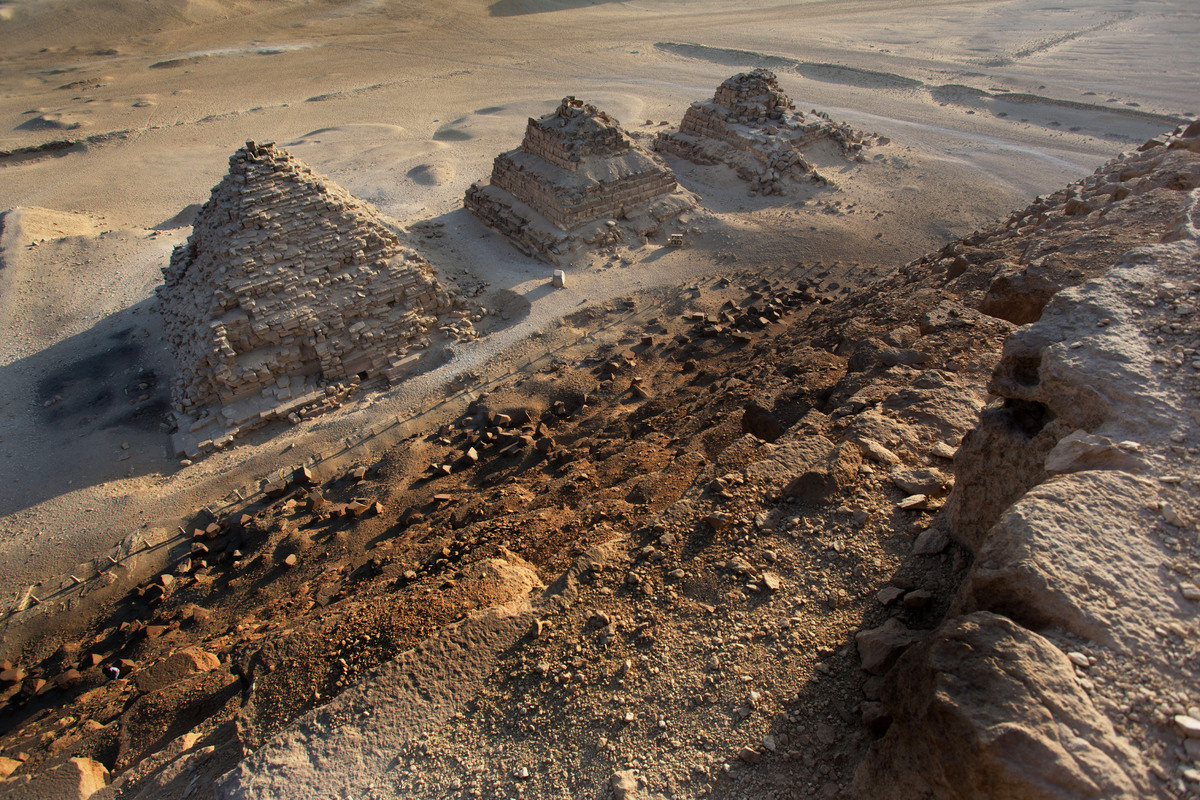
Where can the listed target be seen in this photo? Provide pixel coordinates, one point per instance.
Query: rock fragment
(835, 472)
(879, 648)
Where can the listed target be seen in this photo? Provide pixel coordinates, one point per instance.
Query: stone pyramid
(574, 175)
(751, 125)
(288, 292)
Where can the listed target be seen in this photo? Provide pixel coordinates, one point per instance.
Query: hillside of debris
(931, 538)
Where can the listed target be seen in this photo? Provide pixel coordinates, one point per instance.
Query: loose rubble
(884, 544)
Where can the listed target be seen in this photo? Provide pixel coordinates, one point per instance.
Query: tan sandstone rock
(825, 478)
(987, 708)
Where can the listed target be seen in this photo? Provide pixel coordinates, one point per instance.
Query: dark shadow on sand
(80, 400)
(517, 8)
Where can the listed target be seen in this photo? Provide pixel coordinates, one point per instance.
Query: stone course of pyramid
(575, 174)
(288, 293)
(752, 126)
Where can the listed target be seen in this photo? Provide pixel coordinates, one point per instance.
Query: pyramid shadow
(93, 408)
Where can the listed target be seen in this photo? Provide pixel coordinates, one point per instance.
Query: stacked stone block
(574, 166)
(287, 286)
(753, 96)
(751, 125)
(572, 133)
(569, 205)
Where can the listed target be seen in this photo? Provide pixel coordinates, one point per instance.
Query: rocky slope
(1067, 663)
(735, 549)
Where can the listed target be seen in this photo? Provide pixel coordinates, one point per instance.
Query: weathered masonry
(575, 166)
(751, 125)
(288, 291)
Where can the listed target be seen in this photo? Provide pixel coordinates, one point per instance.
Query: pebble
(624, 784)
(750, 756)
(889, 595)
(930, 542)
(943, 450)
(918, 599)
(1189, 591)
(1188, 726)
(1079, 659)
(1172, 516)
(719, 522)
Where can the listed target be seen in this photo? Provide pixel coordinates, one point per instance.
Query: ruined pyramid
(575, 175)
(288, 291)
(752, 126)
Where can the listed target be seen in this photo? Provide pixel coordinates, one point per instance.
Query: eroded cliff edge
(1066, 665)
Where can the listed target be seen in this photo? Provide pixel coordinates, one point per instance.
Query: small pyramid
(288, 290)
(752, 126)
(575, 168)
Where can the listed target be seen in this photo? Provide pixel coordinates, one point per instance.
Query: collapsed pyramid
(575, 167)
(288, 289)
(752, 126)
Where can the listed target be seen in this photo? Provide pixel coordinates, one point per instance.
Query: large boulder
(175, 668)
(1076, 553)
(996, 464)
(987, 708)
(830, 475)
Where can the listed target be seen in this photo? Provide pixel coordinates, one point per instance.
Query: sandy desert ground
(116, 119)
